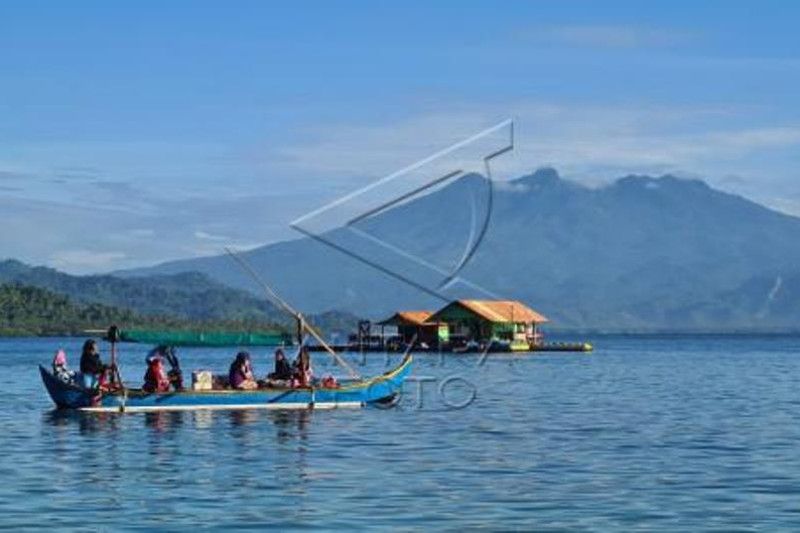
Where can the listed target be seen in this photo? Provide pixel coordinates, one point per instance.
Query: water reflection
(202, 419)
(87, 423)
(163, 421)
(243, 417)
(292, 437)
(60, 417)
(290, 425)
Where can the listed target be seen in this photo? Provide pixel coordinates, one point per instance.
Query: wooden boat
(380, 390)
(354, 392)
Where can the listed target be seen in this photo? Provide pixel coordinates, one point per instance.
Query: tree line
(32, 311)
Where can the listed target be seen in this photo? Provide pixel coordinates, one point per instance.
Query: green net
(206, 338)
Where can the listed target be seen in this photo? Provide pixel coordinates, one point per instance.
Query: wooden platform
(574, 347)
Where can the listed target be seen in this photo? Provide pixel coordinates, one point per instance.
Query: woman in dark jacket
(92, 366)
(283, 370)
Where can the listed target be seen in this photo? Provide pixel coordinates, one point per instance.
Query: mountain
(181, 298)
(642, 253)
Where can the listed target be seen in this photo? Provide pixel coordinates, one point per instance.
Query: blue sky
(140, 132)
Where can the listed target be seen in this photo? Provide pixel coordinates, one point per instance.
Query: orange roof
(503, 310)
(413, 318)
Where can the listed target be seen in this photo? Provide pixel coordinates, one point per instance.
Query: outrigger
(115, 396)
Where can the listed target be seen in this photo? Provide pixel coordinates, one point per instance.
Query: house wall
(465, 324)
(427, 334)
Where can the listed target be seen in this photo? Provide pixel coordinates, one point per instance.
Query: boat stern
(64, 395)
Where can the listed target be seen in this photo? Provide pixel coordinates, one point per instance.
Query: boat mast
(113, 337)
(299, 331)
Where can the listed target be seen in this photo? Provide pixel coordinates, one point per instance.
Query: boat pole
(113, 337)
(299, 331)
(303, 325)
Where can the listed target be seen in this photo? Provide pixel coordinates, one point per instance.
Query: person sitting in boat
(283, 370)
(92, 367)
(240, 375)
(155, 378)
(60, 369)
(329, 382)
(175, 373)
(168, 355)
(302, 369)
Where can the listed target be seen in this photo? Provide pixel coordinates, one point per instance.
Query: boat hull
(377, 390)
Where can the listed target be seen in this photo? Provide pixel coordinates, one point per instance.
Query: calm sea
(650, 433)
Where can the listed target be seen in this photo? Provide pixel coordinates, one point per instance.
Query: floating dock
(563, 347)
(570, 347)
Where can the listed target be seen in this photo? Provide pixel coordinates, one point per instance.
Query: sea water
(651, 433)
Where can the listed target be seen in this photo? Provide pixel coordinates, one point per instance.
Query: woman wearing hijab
(155, 378)
(240, 375)
(92, 367)
(60, 369)
(283, 370)
(302, 369)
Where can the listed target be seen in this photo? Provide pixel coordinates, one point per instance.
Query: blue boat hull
(380, 389)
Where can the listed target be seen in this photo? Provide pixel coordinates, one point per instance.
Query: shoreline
(550, 334)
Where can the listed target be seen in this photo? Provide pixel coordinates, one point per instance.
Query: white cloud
(79, 260)
(576, 139)
(609, 36)
(203, 236)
(755, 138)
(588, 143)
(790, 206)
(509, 186)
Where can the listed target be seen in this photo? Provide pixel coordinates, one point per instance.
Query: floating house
(491, 320)
(416, 323)
(462, 326)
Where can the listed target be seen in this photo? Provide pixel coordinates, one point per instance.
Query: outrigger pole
(302, 324)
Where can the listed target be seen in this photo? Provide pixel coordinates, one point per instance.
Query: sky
(135, 133)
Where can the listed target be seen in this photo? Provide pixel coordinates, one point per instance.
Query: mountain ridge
(636, 253)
